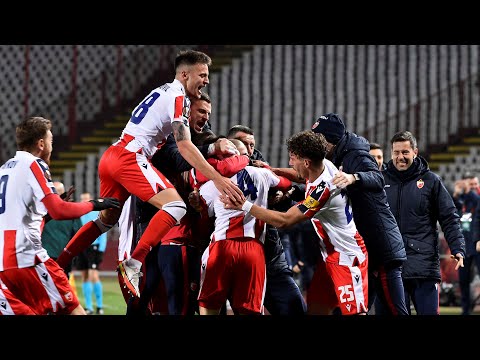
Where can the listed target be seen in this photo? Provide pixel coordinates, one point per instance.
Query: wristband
(247, 205)
(211, 149)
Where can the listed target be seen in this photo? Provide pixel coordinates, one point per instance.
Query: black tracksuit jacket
(418, 200)
(371, 213)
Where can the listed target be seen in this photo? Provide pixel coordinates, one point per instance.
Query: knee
(103, 227)
(108, 217)
(177, 209)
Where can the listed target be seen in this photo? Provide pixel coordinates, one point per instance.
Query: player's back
(23, 185)
(254, 183)
(151, 121)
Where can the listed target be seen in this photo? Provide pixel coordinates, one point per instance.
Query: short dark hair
(191, 57)
(30, 130)
(204, 138)
(375, 146)
(404, 136)
(308, 144)
(203, 97)
(239, 128)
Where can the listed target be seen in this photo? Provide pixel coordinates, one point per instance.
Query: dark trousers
(283, 296)
(386, 290)
(178, 266)
(424, 294)
(465, 276)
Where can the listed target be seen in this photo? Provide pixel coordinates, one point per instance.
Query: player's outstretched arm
(272, 217)
(195, 158)
(65, 210)
(289, 173)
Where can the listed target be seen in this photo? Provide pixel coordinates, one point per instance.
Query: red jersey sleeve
(226, 167)
(65, 210)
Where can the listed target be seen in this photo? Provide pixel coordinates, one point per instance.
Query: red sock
(84, 237)
(157, 228)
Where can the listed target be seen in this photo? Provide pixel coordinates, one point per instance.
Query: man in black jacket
(363, 181)
(419, 199)
(466, 197)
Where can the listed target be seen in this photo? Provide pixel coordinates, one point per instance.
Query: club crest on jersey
(68, 296)
(420, 184)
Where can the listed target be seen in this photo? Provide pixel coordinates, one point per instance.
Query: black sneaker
(89, 312)
(100, 311)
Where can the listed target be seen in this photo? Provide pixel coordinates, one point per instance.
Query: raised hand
(228, 188)
(225, 148)
(342, 180)
(230, 203)
(194, 200)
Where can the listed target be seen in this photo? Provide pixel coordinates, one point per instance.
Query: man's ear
(41, 144)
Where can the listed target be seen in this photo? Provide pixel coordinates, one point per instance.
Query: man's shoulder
(257, 155)
(430, 175)
(164, 94)
(173, 88)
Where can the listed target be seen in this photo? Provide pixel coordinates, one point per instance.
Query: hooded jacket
(371, 212)
(418, 200)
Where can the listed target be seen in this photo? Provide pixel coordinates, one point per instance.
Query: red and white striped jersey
(331, 215)
(151, 120)
(24, 181)
(230, 224)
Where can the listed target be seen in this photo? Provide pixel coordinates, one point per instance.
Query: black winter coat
(418, 200)
(371, 212)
